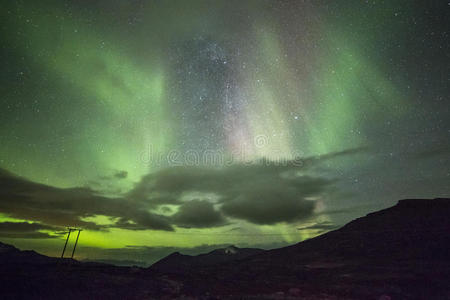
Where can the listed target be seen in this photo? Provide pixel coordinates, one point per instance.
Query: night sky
(186, 125)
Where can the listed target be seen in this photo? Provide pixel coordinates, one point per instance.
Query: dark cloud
(24, 227)
(351, 210)
(314, 160)
(24, 199)
(275, 201)
(322, 226)
(199, 214)
(26, 235)
(109, 182)
(262, 192)
(121, 174)
(140, 219)
(179, 179)
(26, 230)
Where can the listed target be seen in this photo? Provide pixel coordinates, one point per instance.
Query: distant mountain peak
(231, 249)
(177, 262)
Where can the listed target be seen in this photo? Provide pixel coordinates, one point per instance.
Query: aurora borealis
(187, 124)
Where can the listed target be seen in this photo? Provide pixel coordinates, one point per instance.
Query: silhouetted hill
(29, 275)
(400, 252)
(179, 263)
(11, 255)
(415, 228)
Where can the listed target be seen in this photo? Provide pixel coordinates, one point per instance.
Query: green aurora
(108, 97)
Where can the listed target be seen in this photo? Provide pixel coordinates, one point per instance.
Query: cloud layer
(262, 192)
(25, 230)
(24, 199)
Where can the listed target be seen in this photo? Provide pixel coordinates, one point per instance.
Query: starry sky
(160, 126)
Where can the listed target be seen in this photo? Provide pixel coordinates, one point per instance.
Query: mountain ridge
(399, 252)
(407, 238)
(179, 263)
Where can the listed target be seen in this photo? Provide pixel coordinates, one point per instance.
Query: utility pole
(65, 245)
(76, 242)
